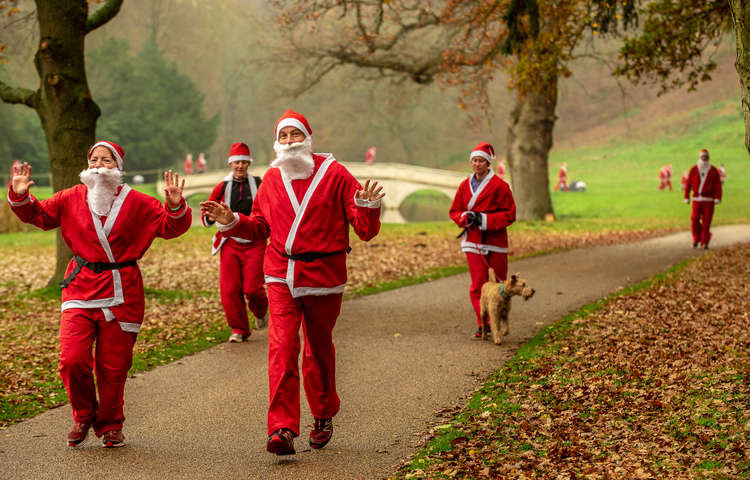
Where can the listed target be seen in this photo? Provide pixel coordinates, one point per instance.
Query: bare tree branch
(18, 95)
(103, 15)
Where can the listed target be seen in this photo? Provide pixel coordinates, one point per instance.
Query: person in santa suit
(683, 180)
(305, 205)
(705, 182)
(108, 226)
(241, 261)
(562, 177)
(484, 208)
(665, 177)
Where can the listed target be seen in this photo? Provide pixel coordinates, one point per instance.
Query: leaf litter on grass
(656, 384)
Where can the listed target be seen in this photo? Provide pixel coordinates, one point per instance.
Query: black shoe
(705, 247)
(477, 334)
(281, 442)
(695, 244)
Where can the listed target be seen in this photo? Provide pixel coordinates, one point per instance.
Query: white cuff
(366, 203)
(230, 225)
(716, 200)
(687, 200)
(23, 202)
(483, 225)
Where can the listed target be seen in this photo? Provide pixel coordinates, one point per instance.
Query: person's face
(291, 134)
(102, 157)
(239, 169)
(480, 166)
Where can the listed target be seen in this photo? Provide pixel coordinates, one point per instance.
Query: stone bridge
(399, 180)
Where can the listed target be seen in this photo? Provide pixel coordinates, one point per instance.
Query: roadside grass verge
(651, 382)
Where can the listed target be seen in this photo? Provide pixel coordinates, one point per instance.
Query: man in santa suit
(665, 177)
(484, 208)
(705, 182)
(305, 206)
(241, 261)
(683, 180)
(562, 177)
(108, 227)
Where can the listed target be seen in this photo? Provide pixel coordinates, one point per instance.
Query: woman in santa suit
(484, 208)
(108, 226)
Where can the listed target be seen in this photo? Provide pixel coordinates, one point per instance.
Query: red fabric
(479, 266)
(496, 202)
(665, 178)
(711, 188)
(324, 226)
(79, 328)
(700, 222)
(141, 219)
(240, 278)
(292, 115)
(483, 147)
(317, 315)
(562, 179)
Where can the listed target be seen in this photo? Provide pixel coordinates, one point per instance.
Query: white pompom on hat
(116, 150)
(483, 150)
(239, 152)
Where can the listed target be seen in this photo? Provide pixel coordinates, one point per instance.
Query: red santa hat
(483, 150)
(238, 152)
(704, 153)
(114, 148)
(293, 119)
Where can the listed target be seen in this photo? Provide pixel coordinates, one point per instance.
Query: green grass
(621, 176)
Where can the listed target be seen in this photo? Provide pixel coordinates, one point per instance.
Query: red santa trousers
(240, 278)
(317, 314)
(561, 183)
(665, 183)
(479, 266)
(79, 328)
(700, 221)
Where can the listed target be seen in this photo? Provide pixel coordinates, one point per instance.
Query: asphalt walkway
(402, 356)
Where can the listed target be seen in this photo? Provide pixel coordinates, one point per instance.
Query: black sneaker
(477, 334)
(695, 244)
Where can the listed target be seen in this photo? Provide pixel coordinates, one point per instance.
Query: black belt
(96, 267)
(312, 256)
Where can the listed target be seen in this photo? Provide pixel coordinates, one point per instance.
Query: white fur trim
(475, 195)
(366, 203)
(223, 228)
(23, 202)
(481, 248)
(483, 225)
(239, 158)
(480, 153)
(291, 122)
(130, 327)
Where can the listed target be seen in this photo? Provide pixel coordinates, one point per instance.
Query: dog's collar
(504, 293)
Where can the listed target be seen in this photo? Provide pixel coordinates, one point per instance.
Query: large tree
(63, 101)
(462, 43)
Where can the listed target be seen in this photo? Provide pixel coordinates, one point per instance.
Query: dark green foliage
(22, 138)
(513, 18)
(148, 106)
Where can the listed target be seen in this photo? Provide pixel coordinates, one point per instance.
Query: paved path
(402, 356)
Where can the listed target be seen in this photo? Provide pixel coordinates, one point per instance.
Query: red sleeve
(505, 210)
(364, 217)
(217, 195)
(173, 223)
(689, 183)
(44, 214)
(458, 207)
(718, 185)
(253, 227)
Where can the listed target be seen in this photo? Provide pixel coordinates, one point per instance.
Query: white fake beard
(703, 165)
(102, 184)
(295, 160)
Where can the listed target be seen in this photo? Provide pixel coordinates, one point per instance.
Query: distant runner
(705, 182)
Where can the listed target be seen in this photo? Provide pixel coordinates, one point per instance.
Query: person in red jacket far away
(704, 181)
(562, 177)
(665, 177)
(305, 205)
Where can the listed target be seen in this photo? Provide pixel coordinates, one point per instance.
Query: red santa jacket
(124, 235)
(223, 193)
(665, 173)
(706, 189)
(308, 218)
(493, 200)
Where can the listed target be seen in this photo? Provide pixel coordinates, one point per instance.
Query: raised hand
(173, 189)
(218, 211)
(20, 178)
(370, 192)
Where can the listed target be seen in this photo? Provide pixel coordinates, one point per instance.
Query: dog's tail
(492, 277)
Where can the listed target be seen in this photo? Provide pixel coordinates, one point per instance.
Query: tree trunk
(741, 20)
(530, 130)
(68, 113)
